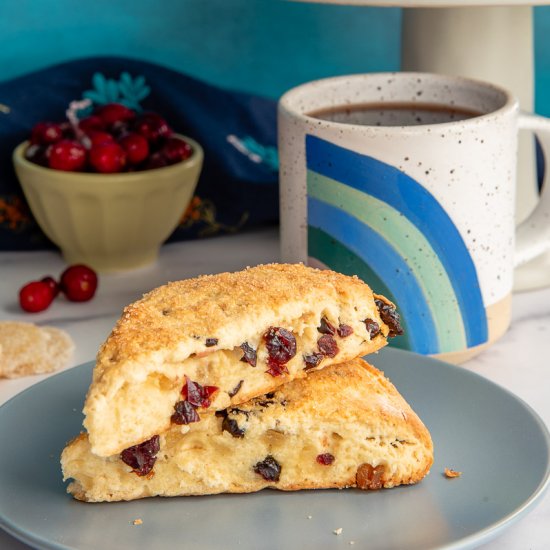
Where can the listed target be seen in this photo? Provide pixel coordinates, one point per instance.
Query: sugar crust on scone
(349, 411)
(195, 328)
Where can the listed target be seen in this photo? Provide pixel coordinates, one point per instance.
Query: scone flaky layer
(349, 412)
(198, 327)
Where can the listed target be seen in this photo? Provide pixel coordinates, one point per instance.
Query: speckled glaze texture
(424, 213)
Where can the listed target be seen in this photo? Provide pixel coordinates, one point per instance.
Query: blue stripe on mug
(386, 263)
(413, 201)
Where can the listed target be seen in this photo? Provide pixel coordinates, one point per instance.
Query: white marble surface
(520, 361)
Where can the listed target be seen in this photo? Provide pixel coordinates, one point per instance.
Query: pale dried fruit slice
(343, 426)
(252, 328)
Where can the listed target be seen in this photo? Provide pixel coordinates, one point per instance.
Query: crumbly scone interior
(132, 403)
(349, 413)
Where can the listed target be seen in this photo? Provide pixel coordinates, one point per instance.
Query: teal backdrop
(259, 46)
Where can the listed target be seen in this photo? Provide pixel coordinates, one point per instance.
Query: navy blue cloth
(238, 186)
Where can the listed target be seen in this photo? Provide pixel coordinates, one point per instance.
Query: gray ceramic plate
(496, 440)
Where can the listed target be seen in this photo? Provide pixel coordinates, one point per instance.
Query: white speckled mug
(408, 181)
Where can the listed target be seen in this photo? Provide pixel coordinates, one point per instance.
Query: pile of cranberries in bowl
(113, 139)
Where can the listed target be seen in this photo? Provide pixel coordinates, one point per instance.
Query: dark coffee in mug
(394, 114)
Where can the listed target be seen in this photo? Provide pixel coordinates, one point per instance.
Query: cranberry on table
(107, 158)
(46, 133)
(67, 155)
(35, 296)
(78, 283)
(52, 283)
(136, 147)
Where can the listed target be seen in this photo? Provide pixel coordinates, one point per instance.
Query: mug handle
(533, 234)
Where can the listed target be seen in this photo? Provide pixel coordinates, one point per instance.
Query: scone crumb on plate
(338, 531)
(452, 473)
(137, 521)
(352, 542)
(309, 517)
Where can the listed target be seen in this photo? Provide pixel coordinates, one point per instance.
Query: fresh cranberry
(98, 137)
(141, 458)
(35, 296)
(91, 123)
(344, 331)
(46, 133)
(249, 354)
(67, 155)
(78, 283)
(114, 112)
(39, 154)
(107, 158)
(326, 459)
(373, 328)
(325, 327)
(328, 346)
(52, 283)
(136, 147)
(176, 150)
(151, 126)
(281, 348)
(268, 468)
(156, 160)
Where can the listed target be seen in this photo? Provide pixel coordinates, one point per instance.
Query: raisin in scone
(236, 335)
(343, 426)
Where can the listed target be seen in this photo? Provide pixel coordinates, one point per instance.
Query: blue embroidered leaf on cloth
(127, 90)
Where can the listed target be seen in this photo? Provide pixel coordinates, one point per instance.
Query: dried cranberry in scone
(390, 316)
(344, 331)
(268, 468)
(325, 327)
(328, 346)
(141, 458)
(249, 354)
(312, 360)
(185, 413)
(325, 459)
(373, 328)
(281, 348)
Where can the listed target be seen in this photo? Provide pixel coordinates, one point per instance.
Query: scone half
(238, 334)
(343, 426)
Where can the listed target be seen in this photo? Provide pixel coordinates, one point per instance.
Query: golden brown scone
(26, 348)
(343, 426)
(206, 328)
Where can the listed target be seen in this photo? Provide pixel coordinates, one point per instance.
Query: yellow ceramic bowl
(110, 222)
